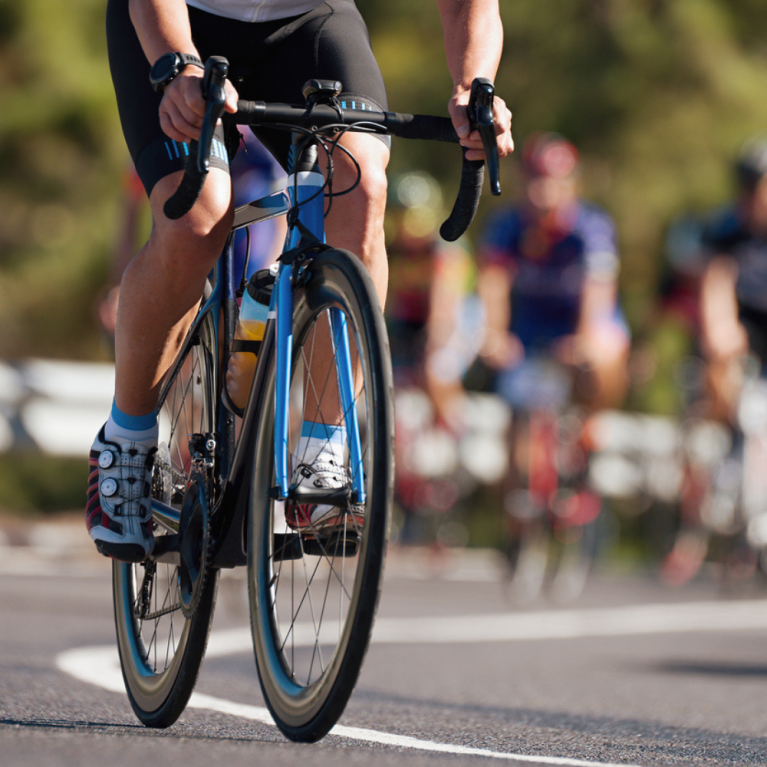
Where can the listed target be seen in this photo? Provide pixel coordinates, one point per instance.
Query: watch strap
(188, 58)
(177, 62)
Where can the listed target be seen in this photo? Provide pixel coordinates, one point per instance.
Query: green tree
(61, 151)
(658, 95)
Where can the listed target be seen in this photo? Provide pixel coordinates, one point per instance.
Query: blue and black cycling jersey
(728, 235)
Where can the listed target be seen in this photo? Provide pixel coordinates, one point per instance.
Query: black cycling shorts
(269, 61)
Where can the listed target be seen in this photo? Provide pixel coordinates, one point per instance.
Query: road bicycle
(550, 514)
(223, 478)
(722, 503)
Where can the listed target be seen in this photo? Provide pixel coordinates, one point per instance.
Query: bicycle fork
(305, 188)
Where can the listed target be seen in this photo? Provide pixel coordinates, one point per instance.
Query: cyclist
(430, 316)
(733, 299)
(548, 277)
(733, 330)
(432, 319)
(548, 280)
(156, 48)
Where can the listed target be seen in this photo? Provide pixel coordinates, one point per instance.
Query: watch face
(163, 70)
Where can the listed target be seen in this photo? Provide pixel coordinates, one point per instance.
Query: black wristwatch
(168, 66)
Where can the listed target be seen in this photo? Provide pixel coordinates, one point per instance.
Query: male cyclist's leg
(159, 295)
(355, 223)
(355, 220)
(162, 286)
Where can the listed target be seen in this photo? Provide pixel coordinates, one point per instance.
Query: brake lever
(216, 70)
(481, 117)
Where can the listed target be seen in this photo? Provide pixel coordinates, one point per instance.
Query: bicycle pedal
(340, 497)
(291, 546)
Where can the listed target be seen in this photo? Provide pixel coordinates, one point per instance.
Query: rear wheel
(163, 609)
(313, 590)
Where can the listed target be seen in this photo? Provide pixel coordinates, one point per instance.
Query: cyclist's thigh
(154, 154)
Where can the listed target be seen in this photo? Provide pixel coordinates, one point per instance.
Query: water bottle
(250, 327)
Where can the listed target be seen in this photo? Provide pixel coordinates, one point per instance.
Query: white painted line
(568, 624)
(100, 666)
(555, 624)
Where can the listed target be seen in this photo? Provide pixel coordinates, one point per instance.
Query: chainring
(194, 544)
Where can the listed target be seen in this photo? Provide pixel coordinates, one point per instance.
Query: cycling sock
(122, 427)
(320, 439)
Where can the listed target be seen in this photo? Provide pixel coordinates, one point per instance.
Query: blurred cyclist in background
(430, 314)
(434, 322)
(557, 339)
(548, 280)
(733, 305)
(734, 286)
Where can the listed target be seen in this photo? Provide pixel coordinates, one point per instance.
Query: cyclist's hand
(501, 117)
(183, 107)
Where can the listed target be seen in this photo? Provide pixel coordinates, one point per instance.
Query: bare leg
(356, 220)
(162, 286)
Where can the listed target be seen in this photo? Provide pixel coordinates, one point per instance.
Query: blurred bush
(32, 484)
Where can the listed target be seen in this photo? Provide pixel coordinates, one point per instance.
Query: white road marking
(100, 665)
(552, 624)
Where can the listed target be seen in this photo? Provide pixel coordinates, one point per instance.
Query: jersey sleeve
(721, 232)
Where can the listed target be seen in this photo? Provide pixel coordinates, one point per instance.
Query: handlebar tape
(467, 201)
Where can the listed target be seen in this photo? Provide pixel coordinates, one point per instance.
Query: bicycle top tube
(318, 118)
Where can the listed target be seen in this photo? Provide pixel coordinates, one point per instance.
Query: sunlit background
(658, 95)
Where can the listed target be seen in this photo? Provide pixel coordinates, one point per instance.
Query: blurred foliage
(61, 154)
(32, 484)
(658, 95)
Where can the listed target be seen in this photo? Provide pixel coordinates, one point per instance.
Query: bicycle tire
(525, 551)
(572, 560)
(292, 600)
(161, 651)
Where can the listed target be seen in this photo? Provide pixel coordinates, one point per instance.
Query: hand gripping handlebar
(318, 116)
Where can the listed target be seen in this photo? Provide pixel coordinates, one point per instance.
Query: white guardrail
(53, 406)
(57, 407)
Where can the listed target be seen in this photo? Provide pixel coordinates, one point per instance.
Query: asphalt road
(632, 673)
